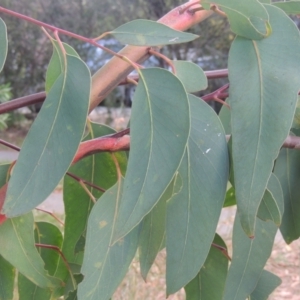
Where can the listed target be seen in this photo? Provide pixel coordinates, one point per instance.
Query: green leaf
(230, 198)
(248, 19)
(18, 248)
(3, 43)
(153, 231)
(210, 281)
(287, 169)
(7, 280)
(225, 118)
(150, 33)
(98, 169)
(191, 75)
(105, 264)
(271, 206)
(47, 234)
(265, 107)
(3, 173)
(56, 64)
(52, 141)
(159, 129)
(289, 7)
(249, 258)
(267, 283)
(193, 213)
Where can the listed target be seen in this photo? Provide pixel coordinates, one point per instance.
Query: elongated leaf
(7, 279)
(287, 169)
(266, 106)
(249, 258)
(267, 283)
(3, 173)
(210, 281)
(3, 44)
(47, 234)
(17, 247)
(98, 169)
(52, 141)
(193, 213)
(271, 206)
(290, 7)
(105, 264)
(150, 33)
(56, 64)
(247, 18)
(159, 129)
(191, 75)
(153, 232)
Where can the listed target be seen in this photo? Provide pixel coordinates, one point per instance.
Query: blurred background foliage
(30, 50)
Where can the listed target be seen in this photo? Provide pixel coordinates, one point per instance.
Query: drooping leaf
(56, 64)
(191, 75)
(159, 129)
(105, 264)
(271, 206)
(266, 106)
(248, 259)
(290, 7)
(153, 232)
(18, 248)
(52, 141)
(3, 43)
(247, 18)
(98, 169)
(267, 283)
(150, 33)
(7, 280)
(287, 169)
(210, 281)
(193, 213)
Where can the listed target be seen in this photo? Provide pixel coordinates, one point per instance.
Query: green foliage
(169, 191)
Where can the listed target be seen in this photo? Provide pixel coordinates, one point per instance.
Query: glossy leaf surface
(150, 33)
(191, 75)
(52, 141)
(159, 129)
(18, 248)
(271, 206)
(248, 259)
(193, 213)
(105, 264)
(287, 169)
(247, 18)
(210, 281)
(267, 283)
(272, 88)
(7, 280)
(3, 43)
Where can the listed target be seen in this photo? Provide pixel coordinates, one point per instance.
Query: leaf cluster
(185, 164)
